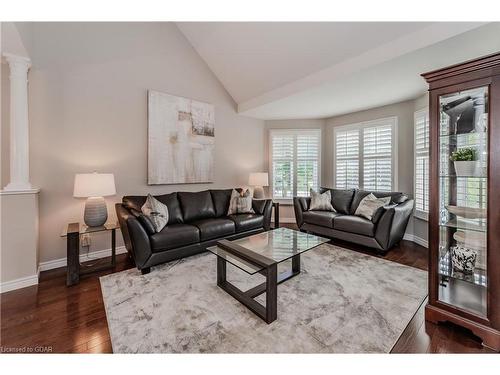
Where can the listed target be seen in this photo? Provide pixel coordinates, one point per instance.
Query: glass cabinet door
(463, 177)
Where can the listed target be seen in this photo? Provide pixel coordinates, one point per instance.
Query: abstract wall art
(181, 140)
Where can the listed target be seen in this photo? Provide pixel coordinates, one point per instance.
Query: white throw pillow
(240, 203)
(321, 202)
(370, 204)
(156, 211)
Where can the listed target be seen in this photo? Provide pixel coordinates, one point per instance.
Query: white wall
(88, 111)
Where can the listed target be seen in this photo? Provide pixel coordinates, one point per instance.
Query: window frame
(360, 126)
(422, 215)
(294, 132)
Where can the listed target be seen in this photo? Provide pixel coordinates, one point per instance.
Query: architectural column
(19, 127)
(19, 201)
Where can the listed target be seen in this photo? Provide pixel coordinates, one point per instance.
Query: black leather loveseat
(196, 221)
(384, 231)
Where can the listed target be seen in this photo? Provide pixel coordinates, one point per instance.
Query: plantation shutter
(307, 146)
(282, 165)
(422, 163)
(366, 155)
(295, 158)
(347, 159)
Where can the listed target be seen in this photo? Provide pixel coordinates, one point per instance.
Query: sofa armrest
(264, 207)
(134, 235)
(392, 225)
(300, 204)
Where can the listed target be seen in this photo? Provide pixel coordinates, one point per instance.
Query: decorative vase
(96, 212)
(463, 259)
(468, 168)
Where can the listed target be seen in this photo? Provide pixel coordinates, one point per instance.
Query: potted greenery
(465, 162)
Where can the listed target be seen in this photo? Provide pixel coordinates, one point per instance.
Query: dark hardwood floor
(51, 317)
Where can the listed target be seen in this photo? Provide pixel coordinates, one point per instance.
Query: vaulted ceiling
(280, 70)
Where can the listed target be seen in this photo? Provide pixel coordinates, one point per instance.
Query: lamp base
(258, 192)
(96, 212)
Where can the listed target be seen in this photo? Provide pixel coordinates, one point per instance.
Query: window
(421, 124)
(365, 155)
(295, 162)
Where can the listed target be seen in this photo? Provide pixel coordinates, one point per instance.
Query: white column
(19, 127)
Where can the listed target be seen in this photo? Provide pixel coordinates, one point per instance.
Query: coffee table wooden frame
(269, 312)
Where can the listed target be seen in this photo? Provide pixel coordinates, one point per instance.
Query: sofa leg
(146, 270)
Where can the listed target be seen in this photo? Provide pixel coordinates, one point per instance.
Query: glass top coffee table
(261, 253)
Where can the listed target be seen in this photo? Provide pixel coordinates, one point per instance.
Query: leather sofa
(196, 221)
(385, 230)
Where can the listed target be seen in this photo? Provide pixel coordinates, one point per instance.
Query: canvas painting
(181, 140)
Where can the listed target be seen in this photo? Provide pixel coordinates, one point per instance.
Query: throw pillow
(240, 203)
(370, 204)
(321, 202)
(156, 211)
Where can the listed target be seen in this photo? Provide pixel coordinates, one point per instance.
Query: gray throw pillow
(321, 202)
(156, 211)
(370, 204)
(240, 203)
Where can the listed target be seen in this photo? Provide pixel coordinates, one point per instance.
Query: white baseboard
(22, 282)
(57, 263)
(418, 240)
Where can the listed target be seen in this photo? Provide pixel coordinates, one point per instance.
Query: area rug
(342, 302)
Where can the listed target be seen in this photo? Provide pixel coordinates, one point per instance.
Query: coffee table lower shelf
(269, 312)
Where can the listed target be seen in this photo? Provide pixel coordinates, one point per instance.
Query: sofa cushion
(214, 228)
(221, 199)
(354, 224)
(170, 200)
(246, 222)
(173, 236)
(396, 197)
(321, 218)
(341, 199)
(174, 208)
(196, 206)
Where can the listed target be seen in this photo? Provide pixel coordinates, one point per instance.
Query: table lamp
(94, 186)
(258, 180)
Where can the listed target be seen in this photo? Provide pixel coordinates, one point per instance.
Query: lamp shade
(258, 179)
(94, 185)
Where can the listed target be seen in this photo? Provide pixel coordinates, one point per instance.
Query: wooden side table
(72, 233)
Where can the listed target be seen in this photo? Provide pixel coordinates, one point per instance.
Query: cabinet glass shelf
(478, 225)
(455, 176)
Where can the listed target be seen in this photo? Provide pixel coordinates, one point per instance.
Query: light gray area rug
(342, 302)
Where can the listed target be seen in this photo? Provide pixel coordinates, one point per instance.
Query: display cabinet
(464, 217)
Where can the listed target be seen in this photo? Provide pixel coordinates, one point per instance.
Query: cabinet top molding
(487, 63)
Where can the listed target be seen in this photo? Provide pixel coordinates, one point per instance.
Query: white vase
(468, 168)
